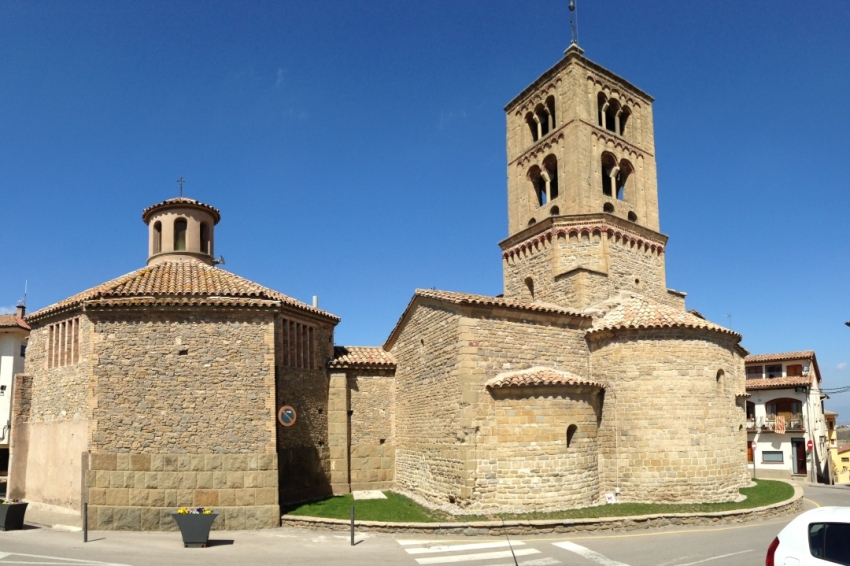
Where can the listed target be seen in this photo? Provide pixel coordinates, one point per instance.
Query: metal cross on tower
(574, 21)
(181, 181)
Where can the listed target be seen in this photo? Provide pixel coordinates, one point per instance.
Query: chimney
(22, 310)
(315, 301)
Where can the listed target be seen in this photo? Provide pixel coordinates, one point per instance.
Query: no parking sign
(286, 416)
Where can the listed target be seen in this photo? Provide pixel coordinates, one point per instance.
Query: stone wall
(372, 437)
(430, 456)
(140, 491)
(194, 382)
(671, 430)
(303, 449)
(50, 423)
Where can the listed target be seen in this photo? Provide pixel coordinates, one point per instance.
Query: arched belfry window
(205, 238)
(550, 106)
(611, 113)
(544, 119)
(157, 237)
(532, 126)
(550, 168)
(571, 432)
(180, 234)
(538, 185)
(609, 174)
(623, 180)
(601, 107)
(625, 114)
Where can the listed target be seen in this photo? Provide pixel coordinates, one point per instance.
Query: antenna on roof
(730, 320)
(23, 302)
(574, 21)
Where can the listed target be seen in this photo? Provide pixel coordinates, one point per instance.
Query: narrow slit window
(157, 237)
(180, 235)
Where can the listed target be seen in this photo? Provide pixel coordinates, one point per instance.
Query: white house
(14, 333)
(784, 412)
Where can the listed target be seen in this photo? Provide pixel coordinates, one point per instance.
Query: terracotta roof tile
(12, 321)
(844, 448)
(485, 300)
(178, 279)
(801, 355)
(632, 311)
(778, 382)
(362, 357)
(538, 376)
(185, 201)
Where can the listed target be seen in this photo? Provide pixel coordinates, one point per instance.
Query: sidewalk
(41, 515)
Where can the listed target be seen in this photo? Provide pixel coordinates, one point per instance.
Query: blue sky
(356, 149)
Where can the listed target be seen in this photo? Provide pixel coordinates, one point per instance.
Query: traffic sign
(753, 445)
(286, 416)
(810, 445)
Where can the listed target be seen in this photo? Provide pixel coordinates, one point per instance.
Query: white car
(819, 537)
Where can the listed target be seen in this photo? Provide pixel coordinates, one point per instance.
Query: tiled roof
(487, 301)
(538, 376)
(362, 357)
(632, 311)
(216, 213)
(830, 413)
(12, 321)
(843, 448)
(802, 355)
(778, 382)
(169, 281)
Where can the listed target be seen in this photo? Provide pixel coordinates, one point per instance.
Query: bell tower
(582, 189)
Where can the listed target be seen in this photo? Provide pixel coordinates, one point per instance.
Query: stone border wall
(497, 528)
(138, 492)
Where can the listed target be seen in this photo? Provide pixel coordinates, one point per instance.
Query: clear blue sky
(356, 149)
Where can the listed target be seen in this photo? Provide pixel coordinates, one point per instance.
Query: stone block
(212, 462)
(171, 500)
(206, 498)
(184, 462)
(235, 480)
(187, 480)
(219, 480)
(139, 497)
(103, 461)
(198, 463)
(168, 480)
(127, 518)
(117, 497)
(265, 496)
(150, 519)
(140, 462)
(267, 461)
(244, 497)
(185, 497)
(122, 463)
(116, 479)
(204, 480)
(156, 497)
(235, 462)
(169, 463)
(236, 518)
(97, 496)
(91, 478)
(157, 462)
(227, 497)
(253, 479)
(102, 478)
(101, 517)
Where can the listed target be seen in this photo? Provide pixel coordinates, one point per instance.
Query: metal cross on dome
(181, 181)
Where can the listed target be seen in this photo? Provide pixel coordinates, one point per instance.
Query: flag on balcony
(780, 424)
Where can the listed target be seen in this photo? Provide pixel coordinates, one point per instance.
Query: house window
(205, 238)
(845, 459)
(23, 350)
(157, 237)
(772, 457)
(754, 372)
(297, 348)
(63, 343)
(774, 371)
(794, 370)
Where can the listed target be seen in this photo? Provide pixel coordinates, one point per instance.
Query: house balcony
(764, 424)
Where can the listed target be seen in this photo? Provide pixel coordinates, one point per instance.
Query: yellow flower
(183, 511)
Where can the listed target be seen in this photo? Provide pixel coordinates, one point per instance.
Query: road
(730, 545)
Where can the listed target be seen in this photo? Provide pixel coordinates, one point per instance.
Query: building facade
(14, 333)
(784, 413)
(585, 380)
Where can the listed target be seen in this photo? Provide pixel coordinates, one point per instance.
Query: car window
(830, 541)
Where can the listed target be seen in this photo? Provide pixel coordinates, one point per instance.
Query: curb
(545, 526)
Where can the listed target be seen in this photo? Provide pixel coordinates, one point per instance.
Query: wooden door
(749, 452)
(799, 456)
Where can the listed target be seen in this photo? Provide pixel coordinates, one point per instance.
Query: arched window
(601, 107)
(719, 377)
(625, 114)
(544, 119)
(554, 211)
(532, 126)
(609, 174)
(622, 179)
(180, 234)
(157, 237)
(529, 285)
(550, 106)
(632, 216)
(611, 113)
(538, 185)
(571, 432)
(550, 168)
(608, 207)
(205, 238)
(791, 410)
(532, 221)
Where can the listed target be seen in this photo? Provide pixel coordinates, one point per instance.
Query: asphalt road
(737, 545)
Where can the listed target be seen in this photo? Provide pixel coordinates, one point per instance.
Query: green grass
(398, 508)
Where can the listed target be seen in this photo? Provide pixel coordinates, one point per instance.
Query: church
(181, 384)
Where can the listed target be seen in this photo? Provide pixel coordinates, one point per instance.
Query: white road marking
(479, 556)
(56, 560)
(406, 541)
(535, 562)
(715, 558)
(455, 547)
(589, 554)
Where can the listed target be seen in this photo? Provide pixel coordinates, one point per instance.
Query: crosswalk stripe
(455, 547)
(405, 542)
(589, 554)
(478, 556)
(536, 562)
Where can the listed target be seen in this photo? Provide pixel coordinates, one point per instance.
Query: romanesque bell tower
(582, 190)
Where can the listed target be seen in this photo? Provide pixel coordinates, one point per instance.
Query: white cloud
(842, 365)
(11, 310)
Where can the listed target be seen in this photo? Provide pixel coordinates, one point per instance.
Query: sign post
(753, 446)
(810, 447)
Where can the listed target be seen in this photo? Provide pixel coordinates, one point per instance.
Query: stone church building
(587, 377)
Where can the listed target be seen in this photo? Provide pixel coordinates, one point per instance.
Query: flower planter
(195, 528)
(12, 516)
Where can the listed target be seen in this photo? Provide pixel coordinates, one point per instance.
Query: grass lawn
(398, 508)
